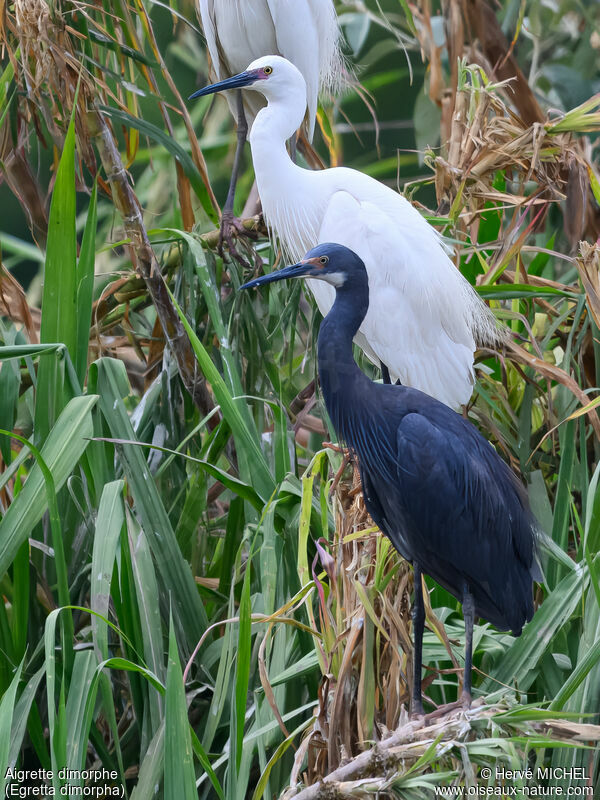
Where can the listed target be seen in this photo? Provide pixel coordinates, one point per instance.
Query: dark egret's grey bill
(235, 82)
(295, 271)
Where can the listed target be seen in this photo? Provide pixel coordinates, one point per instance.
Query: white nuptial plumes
(305, 32)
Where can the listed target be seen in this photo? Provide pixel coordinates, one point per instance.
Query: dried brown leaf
(13, 304)
(588, 266)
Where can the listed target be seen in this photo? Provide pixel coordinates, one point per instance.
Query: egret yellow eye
(268, 70)
(324, 259)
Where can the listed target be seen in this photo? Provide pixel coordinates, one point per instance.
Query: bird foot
(346, 459)
(441, 711)
(232, 228)
(416, 708)
(335, 447)
(466, 699)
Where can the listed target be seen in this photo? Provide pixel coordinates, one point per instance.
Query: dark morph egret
(434, 486)
(424, 318)
(305, 32)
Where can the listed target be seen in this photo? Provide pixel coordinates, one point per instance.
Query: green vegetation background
(144, 535)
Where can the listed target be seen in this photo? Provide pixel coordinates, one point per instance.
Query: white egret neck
(424, 318)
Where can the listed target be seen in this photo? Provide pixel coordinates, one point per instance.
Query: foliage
(194, 596)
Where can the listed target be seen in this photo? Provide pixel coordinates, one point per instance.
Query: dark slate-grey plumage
(432, 483)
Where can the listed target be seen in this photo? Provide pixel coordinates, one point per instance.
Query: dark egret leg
(385, 373)
(469, 616)
(294, 148)
(230, 225)
(418, 615)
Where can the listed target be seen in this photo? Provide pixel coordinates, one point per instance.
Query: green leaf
(109, 522)
(173, 147)
(59, 299)
(583, 668)
(29, 350)
(151, 768)
(245, 443)
(180, 779)
(147, 591)
(5, 80)
(119, 47)
(426, 118)
(54, 726)
(21, 713)
(241, 489)
(83, 687)
(242, 672)
(560, 528)
(110, 379)
(518, 664)
(62, 450)
(221, 684)
(206, 765)
(280, 750)
(515, 291)
(85, 287)
(7, 710)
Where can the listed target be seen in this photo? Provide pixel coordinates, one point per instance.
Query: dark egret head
(332, 263)
(273, 76)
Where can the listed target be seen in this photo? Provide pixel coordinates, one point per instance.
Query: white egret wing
(331, 60)
(206, 12)
(298, 40)
(237, 33)
(413, 324)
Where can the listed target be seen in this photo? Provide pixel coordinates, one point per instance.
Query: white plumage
(424, 318)
(305, 32)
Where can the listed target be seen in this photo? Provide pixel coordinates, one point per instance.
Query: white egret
(424, 318)
(305, 32)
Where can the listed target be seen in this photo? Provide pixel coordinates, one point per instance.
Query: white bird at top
(306, 32)
(424, 318)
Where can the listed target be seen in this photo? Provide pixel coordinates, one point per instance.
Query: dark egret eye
(268, 70)
(324, 259)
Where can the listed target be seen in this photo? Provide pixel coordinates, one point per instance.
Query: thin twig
(146, 263)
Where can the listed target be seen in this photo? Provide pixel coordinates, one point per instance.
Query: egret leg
(385, 373)
(230, 224)
(294, 148)
(418, 615)
(469, 616)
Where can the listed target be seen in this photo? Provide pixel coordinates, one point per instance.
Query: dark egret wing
(468, 516)
(448, 502)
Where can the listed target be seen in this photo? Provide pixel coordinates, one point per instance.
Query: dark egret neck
(341, 379)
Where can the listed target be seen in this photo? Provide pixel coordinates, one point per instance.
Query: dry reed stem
(588, 266)
(50, 67)
(363, 694)
(387, 760)
(145, 261)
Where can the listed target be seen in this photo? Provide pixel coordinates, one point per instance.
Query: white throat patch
(334, 278)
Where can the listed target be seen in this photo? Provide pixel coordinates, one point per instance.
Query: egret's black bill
(235, 82)
(295, 271)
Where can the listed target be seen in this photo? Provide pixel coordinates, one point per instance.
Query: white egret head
(277, 79)
(273, 76)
